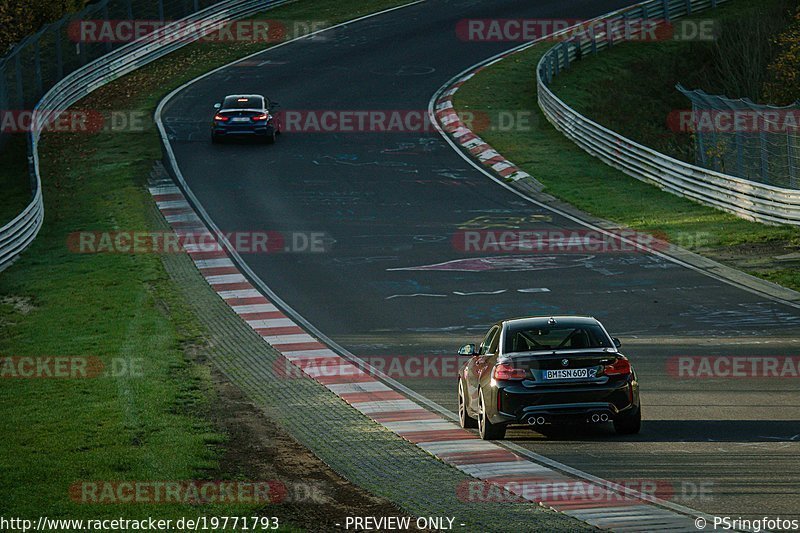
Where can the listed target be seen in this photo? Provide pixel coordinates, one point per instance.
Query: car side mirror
(616, 341)
(467, 349)
(217, 105)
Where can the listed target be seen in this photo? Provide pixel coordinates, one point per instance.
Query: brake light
(221, 118)
(264, 116)
(620, 367)
(504, 371)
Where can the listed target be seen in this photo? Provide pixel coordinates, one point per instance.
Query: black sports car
(547, 370)
(245, 115)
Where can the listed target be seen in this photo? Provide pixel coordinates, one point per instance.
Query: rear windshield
(558, 337)
(242, 102)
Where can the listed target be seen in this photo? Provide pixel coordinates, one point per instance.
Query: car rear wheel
(630, 424)
(486, 429)
(214, 139)
(466, 421)
(271, 137)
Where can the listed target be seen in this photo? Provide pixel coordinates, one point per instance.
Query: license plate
(568, 373)
(240, 119)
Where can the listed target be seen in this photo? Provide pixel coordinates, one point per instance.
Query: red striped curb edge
(451, 123)
(429, 431)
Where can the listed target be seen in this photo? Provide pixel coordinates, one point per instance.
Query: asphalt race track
(390, 203)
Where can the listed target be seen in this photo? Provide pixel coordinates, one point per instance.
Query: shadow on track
(669, 431)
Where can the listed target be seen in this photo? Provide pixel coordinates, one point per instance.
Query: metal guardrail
(744, 198)
(18, 234)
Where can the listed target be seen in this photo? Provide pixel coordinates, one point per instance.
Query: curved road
(392, 201)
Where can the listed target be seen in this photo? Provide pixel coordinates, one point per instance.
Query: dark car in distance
(245, 116)
(545, 371)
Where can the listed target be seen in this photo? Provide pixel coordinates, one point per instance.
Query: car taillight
(620, 367)
(260, 117)
(506, 372)
(221, 118)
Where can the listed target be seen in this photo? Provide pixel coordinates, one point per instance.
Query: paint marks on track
(504, 264)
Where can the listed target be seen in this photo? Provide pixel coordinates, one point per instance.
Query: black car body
(245, 116)
(547, 370)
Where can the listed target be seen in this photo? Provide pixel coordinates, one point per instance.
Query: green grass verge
(57, 303)
(574, 176)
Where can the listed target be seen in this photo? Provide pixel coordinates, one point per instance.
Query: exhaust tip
(532, 421)
(604, 418)
(595, 418)
(540, 420)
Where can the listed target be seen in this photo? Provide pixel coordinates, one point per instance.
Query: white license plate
(569, 373)
(240, 119)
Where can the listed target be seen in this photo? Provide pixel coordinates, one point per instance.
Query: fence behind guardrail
(745, 139)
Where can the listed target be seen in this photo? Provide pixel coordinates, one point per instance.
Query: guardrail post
(129, 9)
(556, 63)
(701, 149)
(713, 4)
(161, 9)
(37, 69)
(764, 154)
(715, 156)
(565, 48)
(105, 17)
(688, 7)
(594, 39)
(81, 50)
(609, 34)
(791, 157)
(739, 154)
(665, 4)
(3, 91)
(18, 76)
(59, 51)
(626, 26)
(31, 166)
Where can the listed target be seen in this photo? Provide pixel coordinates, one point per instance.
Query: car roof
(534, 321)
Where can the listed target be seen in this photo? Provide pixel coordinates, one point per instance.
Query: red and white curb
(431, 432)
(452, 124)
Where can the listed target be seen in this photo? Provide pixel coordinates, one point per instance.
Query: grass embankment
(156, 424)
(605, 83)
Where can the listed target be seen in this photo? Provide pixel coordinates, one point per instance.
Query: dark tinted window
(495, 343)
(235, 102)
(555, 337)
(490, 340)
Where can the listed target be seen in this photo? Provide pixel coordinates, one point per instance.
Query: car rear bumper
(519, 404)
(254, 131)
